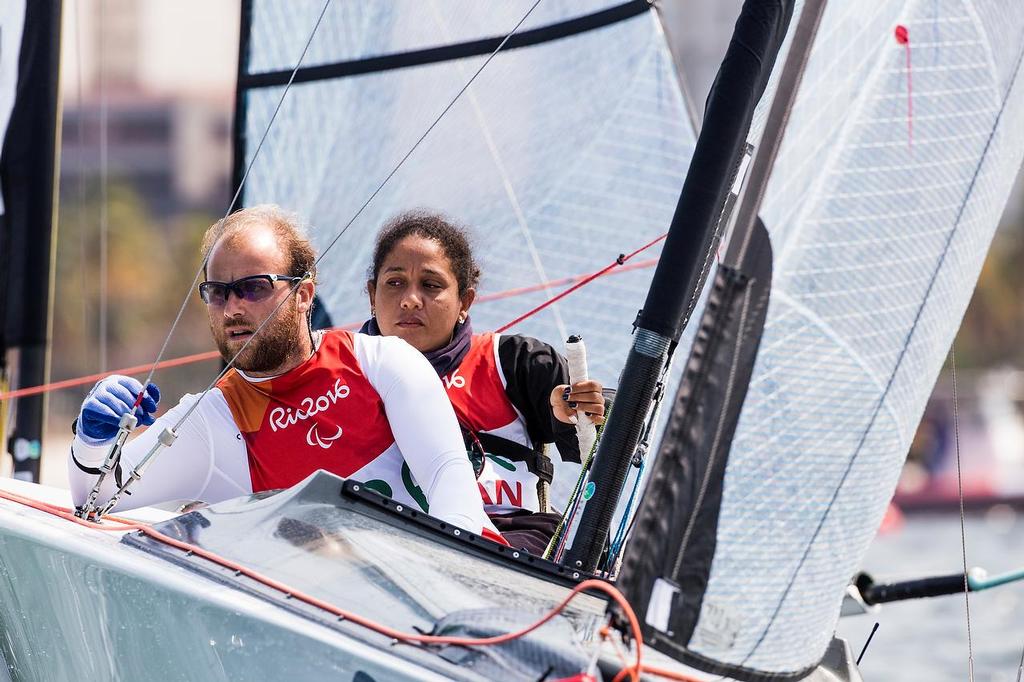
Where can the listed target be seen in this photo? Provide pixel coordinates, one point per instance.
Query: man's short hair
(286, 227)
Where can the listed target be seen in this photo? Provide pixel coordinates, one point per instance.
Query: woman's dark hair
(451, 237)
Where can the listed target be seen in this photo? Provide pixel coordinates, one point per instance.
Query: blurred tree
(151, 266)
(992, 332)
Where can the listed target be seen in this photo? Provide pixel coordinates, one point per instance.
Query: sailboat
(823, 246)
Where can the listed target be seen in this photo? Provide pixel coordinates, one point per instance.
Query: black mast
(28, 167)
(685, 260)
(238, 126)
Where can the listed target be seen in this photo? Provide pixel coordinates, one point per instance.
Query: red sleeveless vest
(324, 414)
(476, 390)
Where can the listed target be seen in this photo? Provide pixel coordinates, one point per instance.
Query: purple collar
(446, 358)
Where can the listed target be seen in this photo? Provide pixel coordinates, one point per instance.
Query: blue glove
(107, 401)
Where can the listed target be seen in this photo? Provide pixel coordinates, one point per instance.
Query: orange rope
(68, 515)
(137, 369)
(571, 279)
(578, 280)
(661, 672)
(632, 671)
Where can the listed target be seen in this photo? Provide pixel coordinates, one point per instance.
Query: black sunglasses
(253, 289)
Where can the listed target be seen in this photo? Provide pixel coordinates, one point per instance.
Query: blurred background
(163, 74)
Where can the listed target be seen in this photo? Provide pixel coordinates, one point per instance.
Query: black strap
(432, 55)
(95, 470)
(541, 467)
(536, 462)
(89, 470)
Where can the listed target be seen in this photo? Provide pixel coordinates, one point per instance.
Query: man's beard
(269, 349)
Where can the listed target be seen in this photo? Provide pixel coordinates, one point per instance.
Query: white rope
(238, 193)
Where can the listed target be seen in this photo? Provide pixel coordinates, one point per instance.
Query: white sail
(560, 156)
(879, 228)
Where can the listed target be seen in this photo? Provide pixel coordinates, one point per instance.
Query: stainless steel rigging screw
(124, 428)
(165, 439)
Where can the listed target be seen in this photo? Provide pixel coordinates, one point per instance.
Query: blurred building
(163, 74)
(176, 153)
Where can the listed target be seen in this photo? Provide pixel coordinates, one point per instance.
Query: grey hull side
(77, 604)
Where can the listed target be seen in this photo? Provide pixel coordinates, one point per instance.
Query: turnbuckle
(124, 428)
(165, 439)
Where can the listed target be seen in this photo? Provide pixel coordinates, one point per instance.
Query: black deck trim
(386, 509)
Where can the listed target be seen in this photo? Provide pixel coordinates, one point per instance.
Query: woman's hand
(582, 396)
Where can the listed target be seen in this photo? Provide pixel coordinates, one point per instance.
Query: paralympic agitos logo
(283, 417)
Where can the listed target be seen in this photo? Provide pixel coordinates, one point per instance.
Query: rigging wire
(213, 355)
(429, 129)
(80, 157)
(625, 523)
(168, 435)
(359, 212)
(581, 283)
(234, 200)
(640, 457)
(104, 197)
(960, 494)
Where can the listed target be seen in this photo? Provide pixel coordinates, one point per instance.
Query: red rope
(571, 279)
(632, 671)
(583, 282)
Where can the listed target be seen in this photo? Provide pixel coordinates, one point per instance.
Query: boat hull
(78, 604)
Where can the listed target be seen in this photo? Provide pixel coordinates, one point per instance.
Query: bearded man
(368, 408)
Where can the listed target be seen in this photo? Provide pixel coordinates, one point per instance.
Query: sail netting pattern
(560, 156)
(890, 183)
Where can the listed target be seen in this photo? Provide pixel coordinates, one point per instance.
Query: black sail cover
(674, 533)
(29, 59)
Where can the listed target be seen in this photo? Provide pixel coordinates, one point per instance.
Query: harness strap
(536, 462)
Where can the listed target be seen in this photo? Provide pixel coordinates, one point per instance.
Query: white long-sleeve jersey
(367, 408)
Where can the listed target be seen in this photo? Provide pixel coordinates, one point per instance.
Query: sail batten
(451, 51)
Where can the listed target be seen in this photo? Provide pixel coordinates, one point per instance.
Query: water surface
(927, 639)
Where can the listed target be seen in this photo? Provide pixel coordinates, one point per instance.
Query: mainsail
(568, 150)
(898, 160)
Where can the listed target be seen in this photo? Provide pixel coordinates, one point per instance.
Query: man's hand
(107, 401)
(582, 396)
